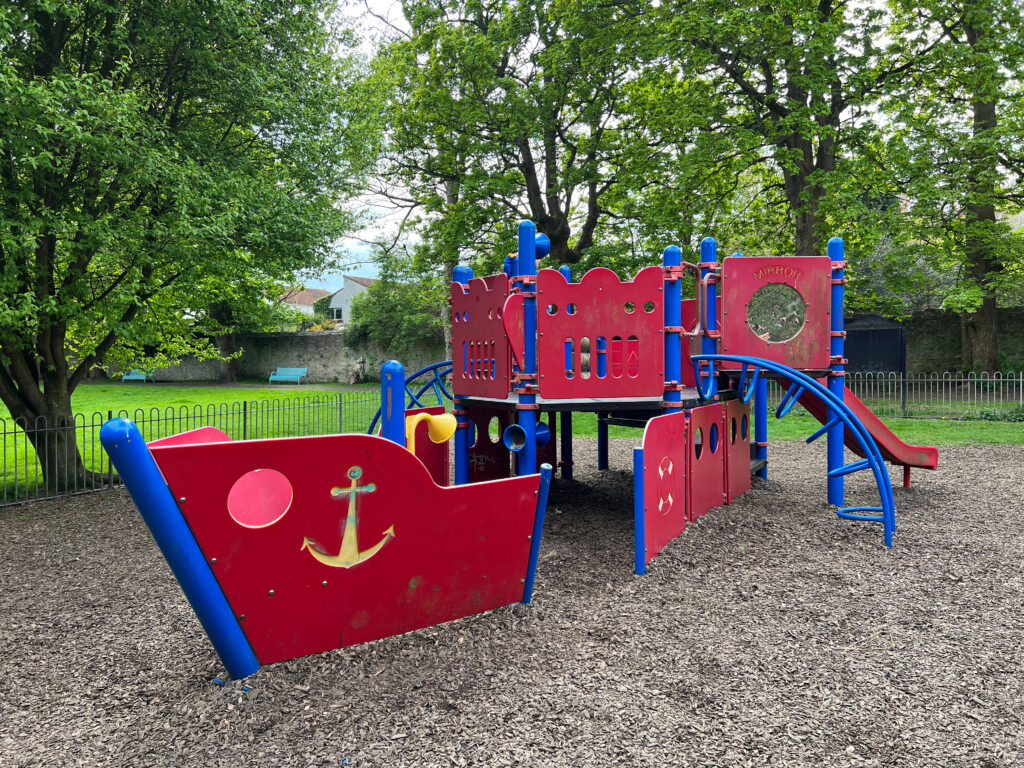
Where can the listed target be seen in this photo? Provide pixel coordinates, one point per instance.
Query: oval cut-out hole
(713, 438)
(570, 308)
(630, 307)
(648, 306)
(743, 428)
(698, 443)
(552, 309)
(732, 438)
(494, 430)
(259, 498)
(585, 357)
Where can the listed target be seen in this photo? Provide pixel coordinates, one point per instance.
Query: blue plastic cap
(738, 254)
(543, 245)
(672, 257)
(708, 249)
(566, 272)
(835, 248)
(462, 275)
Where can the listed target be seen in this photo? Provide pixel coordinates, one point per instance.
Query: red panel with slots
(480, 351)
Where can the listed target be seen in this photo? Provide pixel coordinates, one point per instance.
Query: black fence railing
(42, 460)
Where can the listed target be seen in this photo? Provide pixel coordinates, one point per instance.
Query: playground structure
(292, 546)
(526, 343)
(264, 535)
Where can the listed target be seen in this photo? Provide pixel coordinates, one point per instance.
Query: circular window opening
(570, 308)
(713, 438)
(630, 307)
(648, 306)
(776, 313)
(259, 498)
(698, 443)
(552, 309)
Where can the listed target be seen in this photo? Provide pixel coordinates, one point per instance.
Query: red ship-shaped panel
(323, 542)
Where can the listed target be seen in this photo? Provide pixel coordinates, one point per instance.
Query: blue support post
(463, 429)
(761, 425)
(602, 441)
(530, 247)
(137, 469)
(836, 382)
(538, 527)
(639, 551)
(673, 257)
(392, 402)
(507, 268)
(565, 272)
(566, 416)
(708, 345)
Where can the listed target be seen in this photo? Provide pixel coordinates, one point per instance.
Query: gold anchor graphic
(349, 554)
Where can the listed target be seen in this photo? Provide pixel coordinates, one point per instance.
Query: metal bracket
(527, 406)
(837, 334)
(838, 265)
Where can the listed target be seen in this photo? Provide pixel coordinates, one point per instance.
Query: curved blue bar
(134, 463)
(849, 421)
(392, 402)
(438, 371)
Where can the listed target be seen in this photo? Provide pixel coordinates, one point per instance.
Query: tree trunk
(229, 363)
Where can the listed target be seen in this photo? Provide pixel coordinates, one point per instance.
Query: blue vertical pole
(639, 550)
(538, 527)
(602, 441)
(836, 382)
(673, 257)
(708, 345)
(463, 429)
(760, 427)
(137, 469)
(507, 268)
(392, 402)
(530, 246)
(566, 416)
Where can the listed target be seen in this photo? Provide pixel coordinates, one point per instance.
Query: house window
(337, 314)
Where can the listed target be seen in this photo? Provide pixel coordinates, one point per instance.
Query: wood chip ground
(771, 633)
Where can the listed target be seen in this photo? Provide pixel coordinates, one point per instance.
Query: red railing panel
(481, 362)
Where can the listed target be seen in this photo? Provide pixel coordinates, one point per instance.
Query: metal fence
(934, 395)
(82, 465)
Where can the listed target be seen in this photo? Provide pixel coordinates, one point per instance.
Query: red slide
(893, 450)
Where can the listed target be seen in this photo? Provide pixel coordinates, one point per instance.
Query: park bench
(134, 375)
(290, 374)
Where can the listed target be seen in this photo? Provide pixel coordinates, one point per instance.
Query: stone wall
(933, 339)
(323, 352)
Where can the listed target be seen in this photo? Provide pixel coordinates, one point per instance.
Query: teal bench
(134, 375)
(290, 374)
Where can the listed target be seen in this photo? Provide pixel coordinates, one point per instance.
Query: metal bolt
(522, 581)
(271, 593)
(242, 616)
(182, 500)
(213, 560)
(323, 583)
(530, 537)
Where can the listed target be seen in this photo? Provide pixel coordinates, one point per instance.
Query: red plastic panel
(810, 276)
(737, 449)
(664, 481)
(705, 459)
(369, 547)
(480, 351)
(627, 317)
(691, 344)
(193, 436)
(515, 331)
(433, 455)
(488, 458)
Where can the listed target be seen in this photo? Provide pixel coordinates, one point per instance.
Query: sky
(355, 252)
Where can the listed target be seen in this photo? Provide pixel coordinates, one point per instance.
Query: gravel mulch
(770, 633)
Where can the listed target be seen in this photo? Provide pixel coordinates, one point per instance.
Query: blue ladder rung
(847, 514)
(837, 420)
(789, 400)
(847, 469)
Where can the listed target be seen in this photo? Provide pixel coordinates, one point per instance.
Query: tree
(959, 130)
(803, 80)
(151, 151)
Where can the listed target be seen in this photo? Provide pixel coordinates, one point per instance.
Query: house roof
(366, 282)
(305, 298)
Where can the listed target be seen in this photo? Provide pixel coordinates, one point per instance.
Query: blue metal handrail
(873, 458)
(436, 382)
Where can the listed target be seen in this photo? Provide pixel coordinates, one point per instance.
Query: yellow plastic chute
(440, 428)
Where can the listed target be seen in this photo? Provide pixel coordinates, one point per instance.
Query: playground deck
(770, 631)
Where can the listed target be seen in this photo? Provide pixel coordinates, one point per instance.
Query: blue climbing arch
(433, 380)
(839, 415)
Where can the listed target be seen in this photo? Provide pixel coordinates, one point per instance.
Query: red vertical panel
(488, 457)
(705, 459)
(665, 456)
(810, 276)
(690, 344)
(737, 454)
(480, 349)
(422, 554)
(629, 316)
